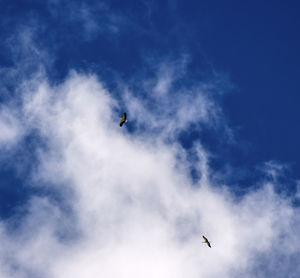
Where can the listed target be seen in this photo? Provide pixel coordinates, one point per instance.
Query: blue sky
(211, 92)
(254, 45)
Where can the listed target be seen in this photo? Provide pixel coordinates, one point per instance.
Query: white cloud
(164, 107)
(134, 211)
(273, 169)
(10, 126)
(91, 21)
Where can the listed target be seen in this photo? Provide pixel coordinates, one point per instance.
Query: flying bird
(123, 119)
(206, 241)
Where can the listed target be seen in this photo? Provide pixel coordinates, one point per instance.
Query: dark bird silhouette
(206, 241)
(123, 119)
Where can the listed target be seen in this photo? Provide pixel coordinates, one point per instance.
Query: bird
(206, 241)
(123, 119)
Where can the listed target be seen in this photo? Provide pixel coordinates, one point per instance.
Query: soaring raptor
(124, 119)
(206, 241)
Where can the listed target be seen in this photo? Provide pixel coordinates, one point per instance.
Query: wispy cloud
(10, 126)
(91, 20)
(133, 207)
(273, 169)
(166, 105)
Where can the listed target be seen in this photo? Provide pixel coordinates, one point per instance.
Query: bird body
(123, 119)
(206, 241)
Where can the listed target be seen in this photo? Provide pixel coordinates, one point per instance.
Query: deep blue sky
(253, 45)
